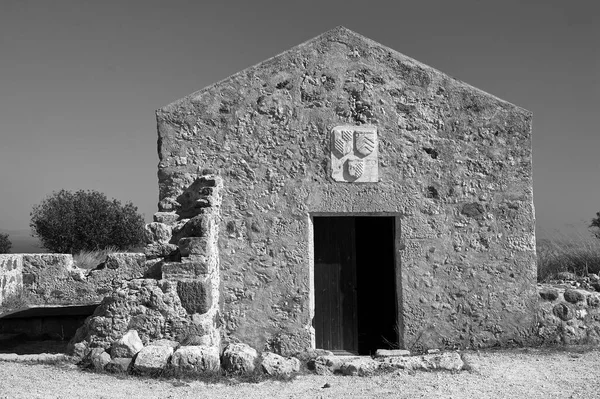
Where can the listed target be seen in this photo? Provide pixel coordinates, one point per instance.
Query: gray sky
(80, 80)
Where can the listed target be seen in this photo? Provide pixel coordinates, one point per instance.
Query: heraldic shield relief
(354, 154)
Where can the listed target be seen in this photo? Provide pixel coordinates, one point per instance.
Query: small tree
(5, 244)
(67, 222)
(596, 225)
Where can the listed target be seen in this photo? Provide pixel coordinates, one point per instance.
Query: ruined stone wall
(453, 161)
(46, 279)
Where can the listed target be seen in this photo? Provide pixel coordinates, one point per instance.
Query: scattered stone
(274, 364)
(239, 358)
(450, 361)
(127, 346)
(549, 294)
(391, 352)
(118, 365)
(99, 358)
(196, 358)
(327, 365)
(153, 358)
(573, 296)
(361, 366)
(432, 351)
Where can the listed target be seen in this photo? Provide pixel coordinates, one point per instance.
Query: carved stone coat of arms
(354, 154)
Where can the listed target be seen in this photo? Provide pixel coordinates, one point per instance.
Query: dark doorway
(355, 283)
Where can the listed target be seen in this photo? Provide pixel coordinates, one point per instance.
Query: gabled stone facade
(342, 125)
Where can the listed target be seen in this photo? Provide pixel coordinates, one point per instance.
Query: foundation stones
(153, 358)
(239, 358)
(127, 346)
(196, 358)
(274, 364)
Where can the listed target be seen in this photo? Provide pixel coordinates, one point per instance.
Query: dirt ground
(522, 373)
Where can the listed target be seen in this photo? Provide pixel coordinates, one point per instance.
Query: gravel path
(529, 373)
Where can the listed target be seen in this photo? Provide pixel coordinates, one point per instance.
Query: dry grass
(578, 253)
(90, 259)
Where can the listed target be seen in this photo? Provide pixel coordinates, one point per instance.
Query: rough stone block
(118, 365)
(391, 352)
(274, 364)
(239, 358)
(195, 295)
(154, 251)
(573, 296)
(197, 358)
(127, 346)
(193, 246)
(549, 294)
(153, 358)
(166, 217)
(361, 366)
(157, 233)
(99, 358)
(183, 270)
(198, 226)
(130, 264)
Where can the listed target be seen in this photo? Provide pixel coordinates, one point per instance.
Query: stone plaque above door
(354, 154)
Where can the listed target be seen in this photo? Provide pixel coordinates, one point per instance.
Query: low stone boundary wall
(568, 314)
(54, 278)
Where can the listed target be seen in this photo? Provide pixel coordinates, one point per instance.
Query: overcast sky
(80, 80)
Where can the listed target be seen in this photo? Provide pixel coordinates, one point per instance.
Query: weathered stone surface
(164, 342)
(99, 358)
(157, 233)
(361, 366)
(454, 161)
(193, 246)
(184, 269)
(274, 364)
(391, 352)
(450, 361)
(153, 358)
(11, 275)
(573, 296)
(196, 358)
(239, 358)
(166, 217)
(195, 295)
(118, 365)
(549, 294)
(147, 306)
(153, 251)
(127, 346)
(563, 311)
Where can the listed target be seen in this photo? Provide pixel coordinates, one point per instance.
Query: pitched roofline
(331, 32)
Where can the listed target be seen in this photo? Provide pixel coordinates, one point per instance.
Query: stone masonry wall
(454, 162)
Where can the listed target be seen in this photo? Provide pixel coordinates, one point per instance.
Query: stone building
(368, 201)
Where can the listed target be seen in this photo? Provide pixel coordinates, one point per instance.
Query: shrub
(70, 222)
(5, 244)
(577, 253)
(90, 259)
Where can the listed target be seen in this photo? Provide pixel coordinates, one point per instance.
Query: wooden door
(335, 321)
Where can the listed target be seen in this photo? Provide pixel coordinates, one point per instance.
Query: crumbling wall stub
(454, 161)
